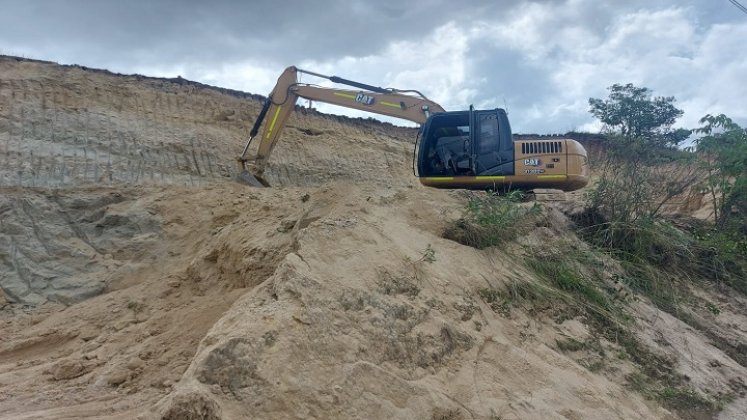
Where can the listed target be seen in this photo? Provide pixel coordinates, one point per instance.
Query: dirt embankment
(64, 126)
(328, 302)
(297, 304)
(127, 346)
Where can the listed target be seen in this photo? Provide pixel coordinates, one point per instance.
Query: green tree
(634, 113)
(640, 174)
(723, 154)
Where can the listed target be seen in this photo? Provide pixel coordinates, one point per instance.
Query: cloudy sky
(540, 59)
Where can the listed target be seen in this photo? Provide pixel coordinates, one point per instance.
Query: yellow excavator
(472, 149)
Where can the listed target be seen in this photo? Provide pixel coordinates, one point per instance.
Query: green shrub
(687, 401)
(563, 275)
(722, 155)
(653, 253)
(723, 257)
(570, 345)
(492, 220)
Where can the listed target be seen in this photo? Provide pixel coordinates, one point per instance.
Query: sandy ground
(298, 303)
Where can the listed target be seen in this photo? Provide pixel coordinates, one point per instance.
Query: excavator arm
(406, 104)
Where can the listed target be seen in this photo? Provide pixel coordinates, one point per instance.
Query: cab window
(488, 139)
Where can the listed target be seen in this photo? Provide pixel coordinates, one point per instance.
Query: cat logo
(533, 162)
(364, 99)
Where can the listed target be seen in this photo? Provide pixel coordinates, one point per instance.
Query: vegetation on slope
(627, 248)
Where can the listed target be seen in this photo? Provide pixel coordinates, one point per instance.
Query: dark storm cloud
(208, 31)
(543, 59)
(503, 87)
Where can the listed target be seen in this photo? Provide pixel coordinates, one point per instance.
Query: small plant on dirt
(393, 285)
(712, 308)
(492, 220)
(529, 295)
(444, 414)
(496, 300)
(429, 255)
(570, 344)
(354, 300)
(494, 415)
(467, 308)
(136, 307)
(567, 278)
(687, 401)
(490, 295)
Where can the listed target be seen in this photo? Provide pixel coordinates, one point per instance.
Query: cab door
(493, 143)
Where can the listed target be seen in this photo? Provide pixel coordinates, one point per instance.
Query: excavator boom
(409, 105)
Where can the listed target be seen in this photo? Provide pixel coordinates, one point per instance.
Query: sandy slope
(296, 307)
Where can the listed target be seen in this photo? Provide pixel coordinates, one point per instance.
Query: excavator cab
(475, 150)
(466, 143)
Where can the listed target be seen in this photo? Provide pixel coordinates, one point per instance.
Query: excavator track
(545, 195)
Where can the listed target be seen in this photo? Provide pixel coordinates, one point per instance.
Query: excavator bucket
(246, 177)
